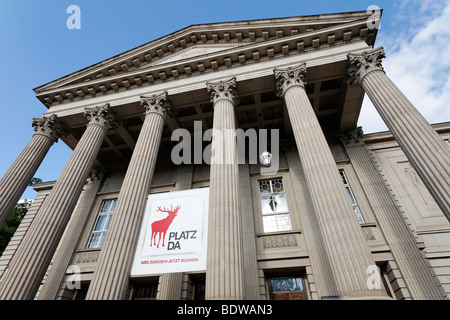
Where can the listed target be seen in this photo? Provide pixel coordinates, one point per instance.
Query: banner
(173, 236)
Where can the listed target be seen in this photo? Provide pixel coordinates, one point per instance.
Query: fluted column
(320, 263)
(416, 271)
(170, 284)
(19, 175)
(425, 149)
(111, 277)
(346, 248)
(251, 280)
(29, 264)
(61, 260)
(224, 267)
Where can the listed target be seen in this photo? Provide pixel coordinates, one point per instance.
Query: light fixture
(265, 158)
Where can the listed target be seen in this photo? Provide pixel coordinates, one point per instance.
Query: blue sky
(37, 47)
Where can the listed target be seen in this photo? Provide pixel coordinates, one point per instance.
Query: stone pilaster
(425, 149)
(170, 284)
(346, 248)
(416, 271)
(19, 175)
(224, 269)
(29, 264)
(61, 259)
(111, 277)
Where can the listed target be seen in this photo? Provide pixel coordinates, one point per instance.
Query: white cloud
(417, 61)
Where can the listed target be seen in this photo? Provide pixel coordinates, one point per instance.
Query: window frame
(139, 290)
(285, 213)
(302, 294)
(351, 195)
(102, 232)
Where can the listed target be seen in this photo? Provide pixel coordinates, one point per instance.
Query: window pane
(95, 240)
(344, 179)
(279, 222)
(274, 204)
(358, 214)
(100, 223)
(113, 205)
(106, 206)
(350, 195)
(108, 220)
(264, 187)
(286, 284)
(102, 238)
(277, 185)
(103, 222)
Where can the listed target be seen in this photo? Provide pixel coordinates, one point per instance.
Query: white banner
(173, 235)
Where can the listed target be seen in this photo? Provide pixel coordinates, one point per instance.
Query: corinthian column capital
(351, 137)
(223, 90)
(361, 64)
(157, 103)
(287, 78)
(102, 116)
(51, 127)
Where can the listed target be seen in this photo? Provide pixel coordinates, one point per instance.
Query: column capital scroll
(51, 127)
(223, 90)
(287, 78)
(351, 137)
(157, 103)
(361, 64)
(102, 116)
(98, 174)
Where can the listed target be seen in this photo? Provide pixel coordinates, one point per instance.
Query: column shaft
(224, 270)
(320, 263)
(19, 175)
(425, 149)
(251, 281)
(170, 284)
(416, 271)
(61, 260)
(346, 248)
(29, 264)
(111, 277)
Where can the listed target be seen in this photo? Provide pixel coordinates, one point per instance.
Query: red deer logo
(161, 226)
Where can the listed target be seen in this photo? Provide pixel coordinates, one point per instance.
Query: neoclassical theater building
(305, 206)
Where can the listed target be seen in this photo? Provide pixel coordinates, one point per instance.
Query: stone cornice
(141, 72)
(442, 128)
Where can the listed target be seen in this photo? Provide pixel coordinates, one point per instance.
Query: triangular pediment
(199, 47)
(194, 51)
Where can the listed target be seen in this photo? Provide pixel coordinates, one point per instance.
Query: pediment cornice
(202, 48)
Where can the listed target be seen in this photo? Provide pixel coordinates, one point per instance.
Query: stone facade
(350, 205)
